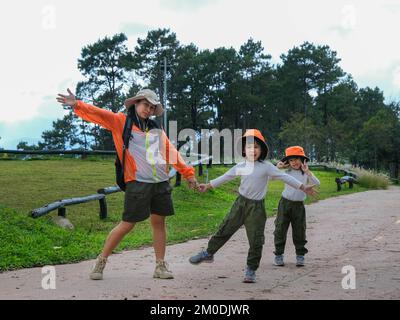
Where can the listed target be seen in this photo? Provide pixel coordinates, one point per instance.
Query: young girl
(148, 193)
(291, 206)
(249, 208)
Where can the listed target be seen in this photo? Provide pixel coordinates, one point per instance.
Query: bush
(370, 179)
(366, 178)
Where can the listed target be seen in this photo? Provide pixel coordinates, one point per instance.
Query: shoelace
(250, 273)
(205, 254)
(164, 265)
(100, 264)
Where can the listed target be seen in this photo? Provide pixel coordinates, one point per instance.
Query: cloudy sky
(42, 40)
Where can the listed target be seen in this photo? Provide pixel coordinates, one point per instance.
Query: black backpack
(131, 119)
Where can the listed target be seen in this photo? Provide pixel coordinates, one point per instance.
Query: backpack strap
(130, 120)
(126, 136)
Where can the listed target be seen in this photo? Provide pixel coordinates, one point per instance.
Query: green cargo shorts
(143, 199)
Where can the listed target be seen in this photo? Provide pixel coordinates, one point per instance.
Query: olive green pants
(294, 213)
(251, 214)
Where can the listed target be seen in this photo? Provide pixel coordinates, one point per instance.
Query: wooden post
(339, 184)
(62, 212)
(178, 180)
(209, 165)
(103, 208)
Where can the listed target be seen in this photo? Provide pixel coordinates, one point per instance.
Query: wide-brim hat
(294, 152)
(150, 96)
(257, 135)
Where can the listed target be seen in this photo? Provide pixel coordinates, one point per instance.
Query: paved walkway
(361, 230)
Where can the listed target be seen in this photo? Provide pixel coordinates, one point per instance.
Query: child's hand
(305, 167)
(309, 190)
(204, 187)
(282, 165)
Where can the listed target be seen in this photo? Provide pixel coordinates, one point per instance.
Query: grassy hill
(26, 185)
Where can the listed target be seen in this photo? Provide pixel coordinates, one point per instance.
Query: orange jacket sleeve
(105, 118)
(173, 157)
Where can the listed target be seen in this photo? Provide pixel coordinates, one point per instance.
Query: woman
(148, 193)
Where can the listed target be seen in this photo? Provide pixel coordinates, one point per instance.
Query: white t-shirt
(293, 194)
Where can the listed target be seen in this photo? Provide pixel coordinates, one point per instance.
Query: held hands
(193, 184)
(196, 186)
(67, 100)
(203, 187)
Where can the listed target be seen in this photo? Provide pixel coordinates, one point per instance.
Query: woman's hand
(193, 184)
(67, 100)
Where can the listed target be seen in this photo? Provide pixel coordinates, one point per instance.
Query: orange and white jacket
(150, 153)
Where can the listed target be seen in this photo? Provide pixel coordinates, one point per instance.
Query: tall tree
(106, 65)
(62, 136)
(252, 86)
(23, 145)
(149, 57)
(223, 73)
(300, 130)
(189, 89)
(378, 141)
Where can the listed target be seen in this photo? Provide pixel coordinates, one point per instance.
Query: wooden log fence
(61, 205)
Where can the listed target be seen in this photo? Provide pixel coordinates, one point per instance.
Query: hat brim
(286, 159)
(131, 101)
(242, 140)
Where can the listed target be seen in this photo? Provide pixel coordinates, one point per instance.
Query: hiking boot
(278, 261)
(202, 256)
(97, 271)
(162, 271)
(299, 261)
(249, 276)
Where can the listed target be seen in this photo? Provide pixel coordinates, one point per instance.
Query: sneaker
(202, 256)
(162, 271)
(278, 261)
(249, 276)
(97, 271)
(299, 261)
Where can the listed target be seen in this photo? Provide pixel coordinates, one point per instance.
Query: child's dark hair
(264, 149)
(295, 157)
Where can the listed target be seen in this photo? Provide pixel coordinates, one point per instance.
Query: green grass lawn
(26, 185)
